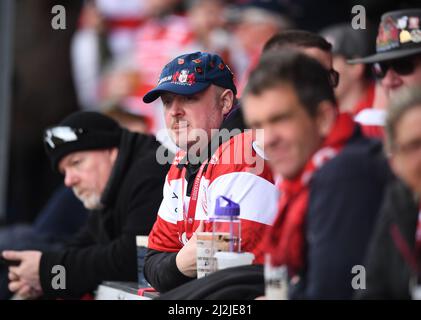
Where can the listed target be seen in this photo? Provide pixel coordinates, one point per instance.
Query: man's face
(190, 118)
(291, 136)
(406, 159)
(393, 81)
(87, 173)
(350, 76)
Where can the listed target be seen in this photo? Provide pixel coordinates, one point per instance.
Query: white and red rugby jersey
(235, 171)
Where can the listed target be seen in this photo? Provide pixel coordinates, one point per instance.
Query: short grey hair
(404, 100)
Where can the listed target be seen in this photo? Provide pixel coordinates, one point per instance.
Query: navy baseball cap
(191, 73)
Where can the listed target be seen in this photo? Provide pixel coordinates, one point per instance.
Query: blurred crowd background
(111, 53)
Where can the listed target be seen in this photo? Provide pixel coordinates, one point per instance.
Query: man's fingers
(14, 270)
(13, 276)
(15, 285)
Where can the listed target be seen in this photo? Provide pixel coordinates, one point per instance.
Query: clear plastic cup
(233, 259)
(207, 244)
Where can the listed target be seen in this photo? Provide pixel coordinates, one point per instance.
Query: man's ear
(326, 115)
(226, 101)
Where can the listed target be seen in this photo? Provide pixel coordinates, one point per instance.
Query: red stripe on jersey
(164, 236)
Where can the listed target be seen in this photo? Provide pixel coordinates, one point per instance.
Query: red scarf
(286, 241)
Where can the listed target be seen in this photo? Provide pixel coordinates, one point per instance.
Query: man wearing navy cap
(198, 96)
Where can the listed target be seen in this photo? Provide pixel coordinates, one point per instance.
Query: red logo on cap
(388, 36)
(184, 77)
(191, 79)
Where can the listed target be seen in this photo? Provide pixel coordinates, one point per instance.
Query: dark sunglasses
(333, 78)
(56, 136)
(402, 67)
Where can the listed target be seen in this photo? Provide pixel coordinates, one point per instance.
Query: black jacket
(345, 198)
(105, 249)
(388, 272)
(160, 267)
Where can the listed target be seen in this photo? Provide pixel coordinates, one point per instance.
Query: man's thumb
(201, 226)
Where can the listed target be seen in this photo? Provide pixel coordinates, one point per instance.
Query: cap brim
(384, 56)
(174, 88)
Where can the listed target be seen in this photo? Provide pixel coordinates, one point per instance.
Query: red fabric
(123, 23)
(372, 131)
(286, 241)
(366, 101)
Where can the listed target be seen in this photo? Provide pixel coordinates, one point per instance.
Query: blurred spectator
(89, 52)
(394, 259)
(162, 35)
(397, 62)
(121, 18)
(105, 34)
(207, 20)
(115, 174)
(355, 90)
(253, 25)
(308, 43)
(333, 177)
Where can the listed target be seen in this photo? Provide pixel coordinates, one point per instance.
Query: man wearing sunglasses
(397, 62)
(114, 172)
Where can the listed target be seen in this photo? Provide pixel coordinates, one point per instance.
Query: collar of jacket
(129, 145)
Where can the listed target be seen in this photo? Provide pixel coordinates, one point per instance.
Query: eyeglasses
(56, 136)
(402, 67)
(333, 78)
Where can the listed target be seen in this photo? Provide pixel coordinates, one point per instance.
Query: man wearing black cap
(115, 174)
(198, 95)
